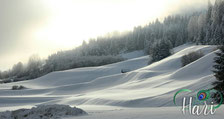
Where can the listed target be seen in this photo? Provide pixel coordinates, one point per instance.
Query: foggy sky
(18, 18)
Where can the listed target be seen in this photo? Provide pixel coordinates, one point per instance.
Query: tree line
(156, 39)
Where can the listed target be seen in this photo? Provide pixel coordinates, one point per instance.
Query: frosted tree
(202, 21)
(209, 12)
(201, 28)
(217, 38)
(34, 66)
(192, 28)
(0, 74)
(216, 18)
(217, 12)
(17, 69)
(84, 48)
(160, 50)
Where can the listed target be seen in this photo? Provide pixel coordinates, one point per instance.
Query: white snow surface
(146, 91)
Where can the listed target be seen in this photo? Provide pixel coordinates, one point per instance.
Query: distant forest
(155, 38)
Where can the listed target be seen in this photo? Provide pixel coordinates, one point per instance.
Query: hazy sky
(45, 26)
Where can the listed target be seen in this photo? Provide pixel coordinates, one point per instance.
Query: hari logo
(200, 100)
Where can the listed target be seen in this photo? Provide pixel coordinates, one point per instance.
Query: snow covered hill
(105, 86)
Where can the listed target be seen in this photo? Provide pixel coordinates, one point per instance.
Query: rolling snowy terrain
(104, 92)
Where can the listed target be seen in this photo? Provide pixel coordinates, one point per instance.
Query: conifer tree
(219, 73)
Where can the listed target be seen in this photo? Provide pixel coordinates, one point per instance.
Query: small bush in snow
(125, 70)
(191, 57)
(15, 87)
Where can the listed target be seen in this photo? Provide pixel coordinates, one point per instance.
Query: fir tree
(160, 50)
(219, 73)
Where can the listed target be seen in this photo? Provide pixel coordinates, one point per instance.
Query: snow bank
(43, 112)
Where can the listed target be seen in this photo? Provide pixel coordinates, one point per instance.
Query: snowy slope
(133, 54)
(145, 86)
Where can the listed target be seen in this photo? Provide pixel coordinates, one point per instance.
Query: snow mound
(43, 112)
(196, 68)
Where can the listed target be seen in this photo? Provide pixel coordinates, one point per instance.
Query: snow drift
(43, 112)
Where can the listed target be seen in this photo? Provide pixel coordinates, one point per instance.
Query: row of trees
(172, 30)
(156, 39)
(208, 27)
(205, 27)
(33, 69)
(55, 62)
